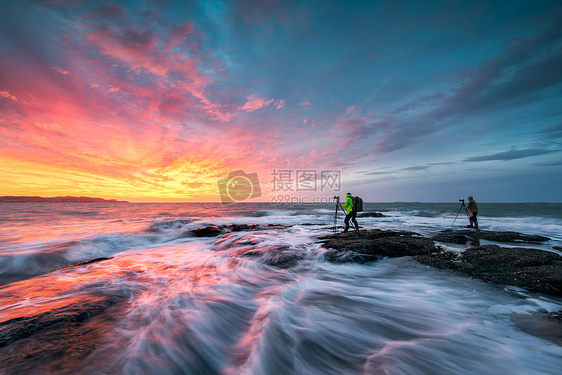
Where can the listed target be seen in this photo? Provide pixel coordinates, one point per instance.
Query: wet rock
(559, 248)
(93, 260)
(532, 269)
(357, 245)
(379, 233)
(512, 237)
(254, 227)
(25, 326)
(404, 246)
(210, 231)
(545, 325)
(242, 227)
(456, 236)
(57, 340)
(379, 242)
(462, 236)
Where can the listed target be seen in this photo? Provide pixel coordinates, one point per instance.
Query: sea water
(219, 305)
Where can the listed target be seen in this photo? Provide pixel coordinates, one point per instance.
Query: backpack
(357, 204)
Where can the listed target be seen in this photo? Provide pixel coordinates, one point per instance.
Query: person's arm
(348, 203)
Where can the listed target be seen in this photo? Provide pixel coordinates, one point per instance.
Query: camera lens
(239, 188)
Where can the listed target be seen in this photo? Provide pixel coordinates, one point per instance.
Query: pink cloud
(60, 70)
(7, 95)
(349, 111)
(144, 51)
(305, 103)
(255, 102)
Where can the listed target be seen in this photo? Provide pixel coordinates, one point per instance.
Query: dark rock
(512, 237)
(210, 231)
(242, 227)
(254, 227)
(494, 255)
(404, 246)
(456, 236)
(559, 248)
(379, 233)
(93, 260)
(60, 339)
(462, 236)
(379, 242)
(545, 325)
(358, 245)
(532, 269)
(22, 327)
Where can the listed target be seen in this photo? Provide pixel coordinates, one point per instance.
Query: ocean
(169, 303)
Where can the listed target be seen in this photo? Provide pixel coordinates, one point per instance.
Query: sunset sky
(157, 100)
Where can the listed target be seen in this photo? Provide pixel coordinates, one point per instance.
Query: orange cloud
(7, 95)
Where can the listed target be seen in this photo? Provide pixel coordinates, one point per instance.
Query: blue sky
(149, 100)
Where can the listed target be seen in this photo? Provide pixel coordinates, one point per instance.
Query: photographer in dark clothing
(472, 208)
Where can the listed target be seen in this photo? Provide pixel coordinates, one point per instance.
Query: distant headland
(57, 199)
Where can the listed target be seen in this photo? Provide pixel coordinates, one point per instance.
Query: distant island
(57, 199)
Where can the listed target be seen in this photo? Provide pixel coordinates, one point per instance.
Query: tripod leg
(335, 219)
(460, 208)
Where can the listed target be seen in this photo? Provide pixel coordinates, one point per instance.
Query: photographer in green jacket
(350, 213)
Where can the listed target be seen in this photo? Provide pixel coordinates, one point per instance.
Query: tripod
(460, 208)
(338, 205)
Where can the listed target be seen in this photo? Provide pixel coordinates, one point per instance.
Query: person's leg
(353, 216)
(470, 220)
(346, 221)
(475, 219)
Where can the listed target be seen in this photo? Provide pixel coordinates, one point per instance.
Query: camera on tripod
(461, 200)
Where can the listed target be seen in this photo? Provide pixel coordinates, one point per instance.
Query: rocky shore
(532, 269)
